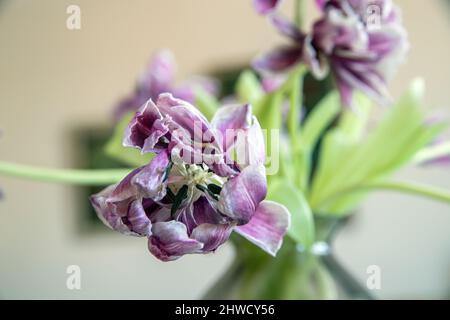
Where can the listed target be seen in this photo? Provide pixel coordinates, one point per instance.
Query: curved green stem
(405, 187)
(432, 153)
(412, 188)
(68, 176)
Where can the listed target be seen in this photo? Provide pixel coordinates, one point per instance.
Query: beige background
(53, 80)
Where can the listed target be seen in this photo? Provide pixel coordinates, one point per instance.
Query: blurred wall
(53, 80)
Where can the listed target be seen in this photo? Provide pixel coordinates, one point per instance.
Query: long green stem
(432, 153)
(294, 89)
(412, 188)
(68, 176)
(405, 187)
(299, 13)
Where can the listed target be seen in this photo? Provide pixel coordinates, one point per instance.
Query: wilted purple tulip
(159, 77)
(184, 206)
(361, 42)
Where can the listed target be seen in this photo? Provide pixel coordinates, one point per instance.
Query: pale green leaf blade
(302, 228)
(248, 88)
(206, 103)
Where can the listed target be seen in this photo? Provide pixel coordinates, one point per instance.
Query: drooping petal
(212, 235)
(150, 180)
(287, 28)
(159, 76)
(169, 241)
(267, 227)
(124, 189)
(278, 60)
(264, 7)
(109, 217)
(241, 195)
(119, 207)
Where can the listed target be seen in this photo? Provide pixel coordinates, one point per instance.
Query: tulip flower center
(188, 182)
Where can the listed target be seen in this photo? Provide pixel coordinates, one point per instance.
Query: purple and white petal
(250, 147)
(267, 227)
(147, 130)
(229, 121)
(159, 76)
(212, 235)
(137, 220)
(121, 209)
(169, 241)
(241, 195)
(109, 217)
(279, 60)
(150, 181)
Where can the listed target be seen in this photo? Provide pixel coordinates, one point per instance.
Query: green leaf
(347, 161)
(295, 86)
(317, 122)
(320, 118)
(206, 103)
(248, 88)
(129, 156)
(302, 221)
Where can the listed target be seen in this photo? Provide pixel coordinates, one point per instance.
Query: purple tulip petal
(287, 28)
(264, 7)
(150, 180)
(147, 129)
(250, 147)
(321, 3)
(212, 235)
(109, 217)
(240, 132)
(159, 75)
(279, 60)
(170, 241)
(241, 195)
(118, 207)
(190, 131)
(137, 220)
(267, 227)
(229, 119)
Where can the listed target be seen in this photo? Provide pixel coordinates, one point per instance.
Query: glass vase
(296, 273)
